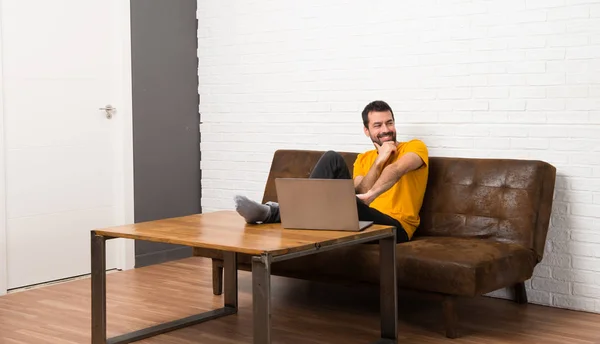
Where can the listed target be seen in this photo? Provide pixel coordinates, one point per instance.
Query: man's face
(381, 127)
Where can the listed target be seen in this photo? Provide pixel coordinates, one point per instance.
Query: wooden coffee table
(267, 243)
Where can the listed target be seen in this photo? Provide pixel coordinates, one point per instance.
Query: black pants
(332, 166)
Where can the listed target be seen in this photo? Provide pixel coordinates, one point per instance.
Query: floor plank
(302, 312)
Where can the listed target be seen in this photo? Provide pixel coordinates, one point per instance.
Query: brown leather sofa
(483, 228)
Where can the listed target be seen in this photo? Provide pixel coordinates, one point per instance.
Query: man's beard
(389, 134)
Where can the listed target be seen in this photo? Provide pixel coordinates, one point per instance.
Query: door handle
(109, 109)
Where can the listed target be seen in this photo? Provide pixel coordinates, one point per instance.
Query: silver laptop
(328, 204)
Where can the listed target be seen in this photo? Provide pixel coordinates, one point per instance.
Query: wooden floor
(302, 312)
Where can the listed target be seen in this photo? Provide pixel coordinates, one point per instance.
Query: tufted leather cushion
(457, 266)
(462, 266)
(505, 200)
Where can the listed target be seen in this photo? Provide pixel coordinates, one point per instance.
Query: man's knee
(332, 155)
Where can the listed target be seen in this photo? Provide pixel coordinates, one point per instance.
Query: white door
(68, 166)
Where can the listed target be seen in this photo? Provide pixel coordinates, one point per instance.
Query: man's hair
(377, 105)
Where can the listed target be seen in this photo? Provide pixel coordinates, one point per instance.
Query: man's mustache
(385, 134)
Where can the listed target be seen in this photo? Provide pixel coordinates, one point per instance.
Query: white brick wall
(510, 78)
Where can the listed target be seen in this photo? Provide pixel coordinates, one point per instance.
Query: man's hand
(367, 198)
(384, 153)
(386, 150)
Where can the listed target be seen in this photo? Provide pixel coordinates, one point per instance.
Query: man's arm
(390, 175)
(384, 152)
(364, 183)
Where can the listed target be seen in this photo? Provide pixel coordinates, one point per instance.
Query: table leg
(231, 280)
(98, 254)
(261, 298)
(98, 260)
(388, 290)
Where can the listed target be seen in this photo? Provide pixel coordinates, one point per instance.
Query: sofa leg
(520, 293)
(217, 276)
(450, 316)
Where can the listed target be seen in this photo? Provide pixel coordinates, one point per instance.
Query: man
(390, 180)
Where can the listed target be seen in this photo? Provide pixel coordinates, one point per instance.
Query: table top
(227, 231)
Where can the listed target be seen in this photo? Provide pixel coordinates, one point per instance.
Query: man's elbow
(409, 162)
(357, 184)
(414, 162)
(418, 163)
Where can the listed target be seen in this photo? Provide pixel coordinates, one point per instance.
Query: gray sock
(250, 210)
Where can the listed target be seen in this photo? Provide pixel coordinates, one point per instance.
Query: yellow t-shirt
(404, 199)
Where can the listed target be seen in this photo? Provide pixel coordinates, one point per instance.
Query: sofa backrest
(296, 164)
(500, 199)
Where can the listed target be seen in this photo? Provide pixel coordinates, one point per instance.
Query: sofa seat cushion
(449, 265)
(462, 266)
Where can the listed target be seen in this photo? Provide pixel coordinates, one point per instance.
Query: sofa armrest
(545, 211)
